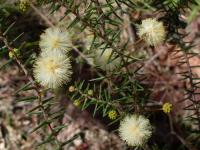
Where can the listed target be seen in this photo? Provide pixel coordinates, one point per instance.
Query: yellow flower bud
(14, 52)
(167, 107)
(24, 4)
(112, 114)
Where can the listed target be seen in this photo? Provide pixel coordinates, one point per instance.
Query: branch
(35, 85)
(181, 139)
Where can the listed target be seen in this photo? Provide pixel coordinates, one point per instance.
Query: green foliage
(121, 89)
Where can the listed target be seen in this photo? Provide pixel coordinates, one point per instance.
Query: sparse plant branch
(48, 22)
(193, 90)
(100, 13)
(180, 138)
(97, 100)
(96, 32)
(188, 75)
(173, 12)
(109, 42)
(36, 87)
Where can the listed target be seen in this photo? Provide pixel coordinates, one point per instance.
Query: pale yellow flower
(135, 130)
(72, 88)
(52, 68)
(152, 31)
(55, 38)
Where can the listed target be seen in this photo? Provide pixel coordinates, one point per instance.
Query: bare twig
(193, 90)
(49, 23)
(180, 138)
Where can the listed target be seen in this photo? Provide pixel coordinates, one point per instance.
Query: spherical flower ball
(55, 38)
(152, 31)
(106, 59)
(52, 68)
(135, 130)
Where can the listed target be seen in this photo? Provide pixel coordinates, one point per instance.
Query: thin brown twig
(180, 138)
(49, 23)
(193, 90)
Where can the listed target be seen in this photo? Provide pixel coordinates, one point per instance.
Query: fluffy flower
(55, 38)
(135, 130)
(152, 31)
(52, 68)
(106, 59)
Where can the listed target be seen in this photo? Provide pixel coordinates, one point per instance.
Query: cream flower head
(152, 31)
(106, 59)
(52, 68)
(55, 38)
(135, 130)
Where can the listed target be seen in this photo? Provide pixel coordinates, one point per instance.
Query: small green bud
(24, 4)
(90, 92)
(14, 52)
(77, 102)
